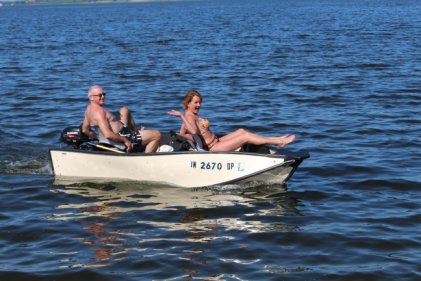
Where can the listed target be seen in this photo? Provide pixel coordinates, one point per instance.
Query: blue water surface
(345, 77)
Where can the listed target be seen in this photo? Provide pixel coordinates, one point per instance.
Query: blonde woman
(194, 124)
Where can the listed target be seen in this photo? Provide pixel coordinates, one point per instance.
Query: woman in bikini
(193, 124)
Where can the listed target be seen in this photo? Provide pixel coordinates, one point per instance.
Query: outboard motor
(73, 136)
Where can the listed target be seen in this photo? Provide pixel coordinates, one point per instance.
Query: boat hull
(186, 168)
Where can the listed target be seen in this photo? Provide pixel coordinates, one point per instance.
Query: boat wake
(23, 157)
(31, 166)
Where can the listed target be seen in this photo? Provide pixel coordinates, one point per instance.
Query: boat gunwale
(288, 155)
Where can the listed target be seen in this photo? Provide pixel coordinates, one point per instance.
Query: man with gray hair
(118, 132)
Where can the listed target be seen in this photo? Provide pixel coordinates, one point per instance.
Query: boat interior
(73, 137)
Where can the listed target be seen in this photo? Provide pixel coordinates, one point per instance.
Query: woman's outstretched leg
(240, 137)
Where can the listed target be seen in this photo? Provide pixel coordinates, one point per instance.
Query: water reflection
(104, 243)
(115, 197)
(127, 216)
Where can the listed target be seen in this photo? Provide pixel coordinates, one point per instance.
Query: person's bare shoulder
(94, 114)
(190, 115)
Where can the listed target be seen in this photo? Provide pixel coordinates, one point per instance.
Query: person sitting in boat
(118, 132)
(193, 124)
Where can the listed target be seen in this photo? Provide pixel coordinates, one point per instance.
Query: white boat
(187, 165)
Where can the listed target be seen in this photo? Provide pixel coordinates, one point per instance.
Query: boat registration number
(230, 166)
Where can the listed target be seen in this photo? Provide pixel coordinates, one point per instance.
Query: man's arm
(104, 126)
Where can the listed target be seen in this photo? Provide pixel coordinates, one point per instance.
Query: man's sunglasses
(100, 95)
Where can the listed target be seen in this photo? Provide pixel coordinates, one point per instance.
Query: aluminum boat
(179, 162)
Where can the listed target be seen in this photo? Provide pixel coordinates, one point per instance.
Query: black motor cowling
(73, 136)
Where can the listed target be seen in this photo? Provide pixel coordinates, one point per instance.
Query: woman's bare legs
(240, 137)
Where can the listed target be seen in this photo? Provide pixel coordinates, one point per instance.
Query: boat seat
(199, 143)
(105, 147)
(179, 143)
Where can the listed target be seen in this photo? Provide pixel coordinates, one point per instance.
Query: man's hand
(129, 145)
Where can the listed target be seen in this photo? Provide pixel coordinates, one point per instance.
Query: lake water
(344, 77)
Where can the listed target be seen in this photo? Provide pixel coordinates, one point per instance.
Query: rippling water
(344, 77)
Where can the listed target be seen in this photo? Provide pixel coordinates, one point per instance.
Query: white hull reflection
(130, 218)
(113, 200)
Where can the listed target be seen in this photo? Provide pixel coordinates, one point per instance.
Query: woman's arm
(188, 127)
(183, 133)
